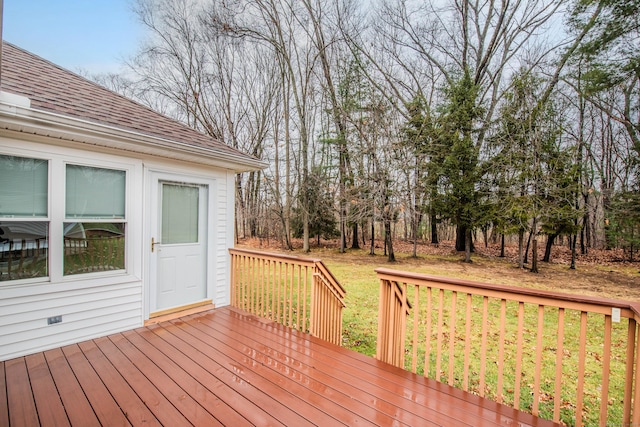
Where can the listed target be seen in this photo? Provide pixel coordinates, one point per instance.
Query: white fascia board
(16, 116)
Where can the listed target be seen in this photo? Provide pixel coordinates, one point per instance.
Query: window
(24, 221)
(96, 196)
(59, 219)
(179, 213)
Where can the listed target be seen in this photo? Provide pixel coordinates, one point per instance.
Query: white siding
(224, 227)
(94, 306)
(87, 312)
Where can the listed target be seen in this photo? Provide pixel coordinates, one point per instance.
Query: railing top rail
(262, 254)
(293, 259)
(329, 274)
(426, 279)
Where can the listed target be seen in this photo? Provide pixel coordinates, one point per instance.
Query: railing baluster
(538, 366)
(557, 398)
(452, 335)
(519, 351)
(277, 270)
(483, 350)
(439, 336)
(606, 364)
(503, 320)
(427, 355)
(416, 318)
(289, 276)
(305, 314)
(301, 301)
(582, 356)
(467, 343)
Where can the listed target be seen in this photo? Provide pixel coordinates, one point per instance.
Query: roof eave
(16, 115)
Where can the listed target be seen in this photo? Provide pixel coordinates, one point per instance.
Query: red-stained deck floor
(226, 367)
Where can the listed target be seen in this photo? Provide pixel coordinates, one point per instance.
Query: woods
(411, 119)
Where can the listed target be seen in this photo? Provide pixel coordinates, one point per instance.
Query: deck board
(104, 406)
(227, 367)
(22, 407)
(50, 409)
(77, 407)
(4, 407)
(132, 406)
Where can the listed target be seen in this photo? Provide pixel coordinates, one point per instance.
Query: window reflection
(24, 250)
(91, 247)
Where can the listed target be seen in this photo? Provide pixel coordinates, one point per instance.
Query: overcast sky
(93, 36)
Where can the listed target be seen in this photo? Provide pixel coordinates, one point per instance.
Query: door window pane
(23, 187)
(94, 192)
(179, 213)
(24, 250)
(91, 247)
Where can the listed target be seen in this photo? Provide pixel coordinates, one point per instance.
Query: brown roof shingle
(54, 89)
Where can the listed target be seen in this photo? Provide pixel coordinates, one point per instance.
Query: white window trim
(58, 158)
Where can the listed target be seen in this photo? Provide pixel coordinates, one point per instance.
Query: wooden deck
(226, 367)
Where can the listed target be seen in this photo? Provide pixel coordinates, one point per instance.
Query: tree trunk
(355, 241)
(363, 234)
(547, 250)
(467, 245)
(434, 229)
(391, 257)
(520, 248)
(485, 237)
(461, 238)
(573, 251)
(461, 233)
(534, 255)
(372, 248)
(416, 224)
(502, 245)
(526, 251)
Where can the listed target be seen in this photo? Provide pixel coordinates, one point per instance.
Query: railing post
(382, 347)
(232, 281)
(631, 357)
(635, 421)
(392, 310)
(313, 327)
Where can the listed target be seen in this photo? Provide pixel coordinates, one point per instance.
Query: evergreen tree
(322, 218)
(461, 164)
(422, 142)
(623, 226)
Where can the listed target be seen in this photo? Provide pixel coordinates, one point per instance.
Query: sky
(86, 36)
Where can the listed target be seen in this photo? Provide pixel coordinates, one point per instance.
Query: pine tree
(461, 165)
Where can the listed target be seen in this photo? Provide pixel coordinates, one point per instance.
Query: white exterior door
(178, 243)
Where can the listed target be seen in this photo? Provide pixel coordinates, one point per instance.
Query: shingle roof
(54, 89)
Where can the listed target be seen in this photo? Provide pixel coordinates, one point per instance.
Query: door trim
(152, 177)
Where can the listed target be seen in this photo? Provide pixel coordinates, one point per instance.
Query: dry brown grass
(599, 273)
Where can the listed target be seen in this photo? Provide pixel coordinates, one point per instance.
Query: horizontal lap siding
(86, 313)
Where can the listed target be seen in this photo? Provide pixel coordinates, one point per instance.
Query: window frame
(97, 164)
(58, 158)
(43, 219)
